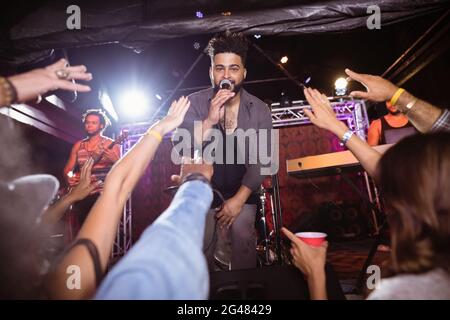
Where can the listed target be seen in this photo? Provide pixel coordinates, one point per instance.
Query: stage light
(285, 101)
(108, 106)
(134, 103)
(158, 97)
(257, 36)
(284, 59)
(199, 14)
(196, 45)
(340, 87)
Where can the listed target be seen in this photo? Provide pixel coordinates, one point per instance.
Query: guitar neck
(99, 156)
(111, 145)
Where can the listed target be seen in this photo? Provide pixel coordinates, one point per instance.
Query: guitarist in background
(98, 147)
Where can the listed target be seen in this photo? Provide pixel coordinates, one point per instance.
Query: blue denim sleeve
(167, 262)
(443, 122)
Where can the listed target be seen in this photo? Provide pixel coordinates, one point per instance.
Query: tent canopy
(137, 24)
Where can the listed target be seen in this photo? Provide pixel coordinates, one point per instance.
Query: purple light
(199, 14)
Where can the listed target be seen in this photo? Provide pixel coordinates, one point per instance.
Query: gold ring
(62, 74)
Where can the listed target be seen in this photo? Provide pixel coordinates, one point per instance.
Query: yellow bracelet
(154, 133)
(396, 96)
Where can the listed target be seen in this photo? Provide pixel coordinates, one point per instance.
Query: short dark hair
(228, 42)
(104, 120)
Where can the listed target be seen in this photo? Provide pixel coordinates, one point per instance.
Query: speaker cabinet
(268, 283)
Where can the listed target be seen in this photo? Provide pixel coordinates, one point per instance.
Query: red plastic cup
(314, 239)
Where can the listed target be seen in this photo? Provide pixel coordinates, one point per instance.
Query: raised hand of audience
(321, 113)
(378, 89)
(86, 185)
(56, 76)
(323, 116)
(423, 115)
(56, 211)
(175, 115)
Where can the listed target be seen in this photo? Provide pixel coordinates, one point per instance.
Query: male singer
(230, 238)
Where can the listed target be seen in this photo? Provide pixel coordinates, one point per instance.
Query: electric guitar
(96, 157)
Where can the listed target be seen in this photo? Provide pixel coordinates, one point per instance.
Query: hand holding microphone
(216, 110)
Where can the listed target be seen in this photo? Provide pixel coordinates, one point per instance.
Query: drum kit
(269, 222)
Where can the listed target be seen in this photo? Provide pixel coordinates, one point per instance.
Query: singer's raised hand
(215, 109)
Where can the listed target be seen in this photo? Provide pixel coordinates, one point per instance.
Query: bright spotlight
(134, 103)
(340, 87)
(284, 59)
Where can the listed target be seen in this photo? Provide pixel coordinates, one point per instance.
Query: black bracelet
(195, 176)
(199, 177)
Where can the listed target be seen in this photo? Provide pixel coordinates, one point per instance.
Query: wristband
(155, 134)
(195, 176)
(347, 135)
(396, 95)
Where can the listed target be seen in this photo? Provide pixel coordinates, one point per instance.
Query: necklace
(230, 122)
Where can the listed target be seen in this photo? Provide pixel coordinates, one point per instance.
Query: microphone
(225, 84)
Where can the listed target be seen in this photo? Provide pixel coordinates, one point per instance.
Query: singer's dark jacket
(253, 114)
